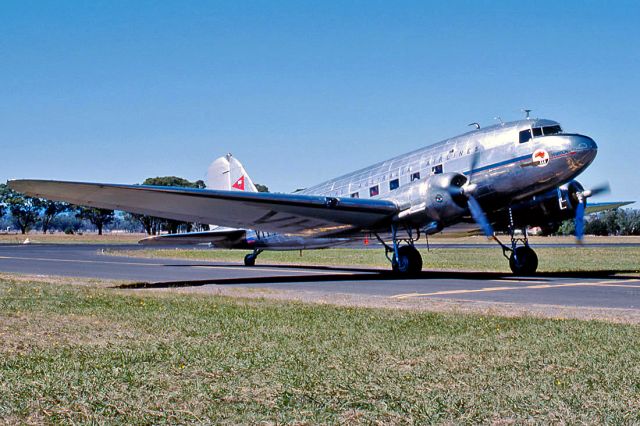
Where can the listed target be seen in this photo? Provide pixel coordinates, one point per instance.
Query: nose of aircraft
(585, 148)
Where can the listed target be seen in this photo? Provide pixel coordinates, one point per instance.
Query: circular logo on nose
(540, 157)
(439, 198)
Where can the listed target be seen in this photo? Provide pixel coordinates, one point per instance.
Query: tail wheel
(409, 261)
(523, 261)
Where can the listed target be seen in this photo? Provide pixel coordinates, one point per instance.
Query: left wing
(305, 215)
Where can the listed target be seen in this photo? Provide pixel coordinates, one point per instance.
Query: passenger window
(537, 131)
(525, 136)
(436, 170)
(415, 176)
(374, 190)
(355, 195)
(394, 184)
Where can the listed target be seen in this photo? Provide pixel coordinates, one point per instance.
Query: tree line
(30, 213)
(611, 222)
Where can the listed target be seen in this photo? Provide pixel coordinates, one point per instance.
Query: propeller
(581, 195)
(479, 216)
(466, 190)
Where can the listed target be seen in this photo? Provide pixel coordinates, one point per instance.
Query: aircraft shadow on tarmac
(369, 275)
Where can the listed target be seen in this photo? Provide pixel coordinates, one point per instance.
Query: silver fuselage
(508, 169)
(505, 173)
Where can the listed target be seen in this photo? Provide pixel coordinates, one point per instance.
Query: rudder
(227, 173)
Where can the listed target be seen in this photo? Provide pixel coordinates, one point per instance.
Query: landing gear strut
(522, 259)
(405, 259)
(250, 259)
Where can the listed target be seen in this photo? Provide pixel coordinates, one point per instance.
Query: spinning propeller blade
(474, 207)
(600, 189)
(582, 205)
(580, 220)
(479, 216)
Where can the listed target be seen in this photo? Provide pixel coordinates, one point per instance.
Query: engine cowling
(432, 202)
(547, 210)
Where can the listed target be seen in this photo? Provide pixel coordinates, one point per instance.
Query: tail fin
(228, 174)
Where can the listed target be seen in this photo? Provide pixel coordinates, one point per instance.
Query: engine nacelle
(431, 202)
(547, 210)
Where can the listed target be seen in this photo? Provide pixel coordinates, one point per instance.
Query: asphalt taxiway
(602, 289)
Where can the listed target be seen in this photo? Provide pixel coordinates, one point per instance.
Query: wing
(217, 236)
(305, 215)
(600, 207)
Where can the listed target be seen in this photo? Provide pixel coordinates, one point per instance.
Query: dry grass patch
(26, 332)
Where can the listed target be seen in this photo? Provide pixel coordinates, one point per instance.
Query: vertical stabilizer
(228, 174)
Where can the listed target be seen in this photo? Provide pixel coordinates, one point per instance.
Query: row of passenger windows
(395, 183)
(526, 135)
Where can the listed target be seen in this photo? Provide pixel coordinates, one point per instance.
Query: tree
(24, 210)
(49, 210)
(127, 222)
(3, 191)
(262, 188)
(171, 181)
(630, 222)
(67, 222)
(595, 226)
(150, 224)
(98, 217)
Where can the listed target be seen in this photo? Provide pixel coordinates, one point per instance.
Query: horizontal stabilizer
(217, 236)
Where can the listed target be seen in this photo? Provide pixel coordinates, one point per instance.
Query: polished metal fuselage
(506, 170)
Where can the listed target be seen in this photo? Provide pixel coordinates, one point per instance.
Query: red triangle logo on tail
(239, 184)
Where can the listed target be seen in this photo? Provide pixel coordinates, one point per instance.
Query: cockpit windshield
(536, 132)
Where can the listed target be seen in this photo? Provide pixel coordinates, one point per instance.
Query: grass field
(85, 353)
(553, 259)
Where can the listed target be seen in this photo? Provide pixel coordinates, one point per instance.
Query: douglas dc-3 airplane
(502, 178)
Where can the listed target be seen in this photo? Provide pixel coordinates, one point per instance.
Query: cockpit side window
(525, 136)
(537, 131)
(552, 130)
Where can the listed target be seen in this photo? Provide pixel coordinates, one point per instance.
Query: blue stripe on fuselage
(502, 163)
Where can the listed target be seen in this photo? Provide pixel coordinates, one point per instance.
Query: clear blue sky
(117, 91)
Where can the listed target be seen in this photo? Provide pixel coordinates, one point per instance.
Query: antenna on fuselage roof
(499, 119)
(476, 125)
(527, 112)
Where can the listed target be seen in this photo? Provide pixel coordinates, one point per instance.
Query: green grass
(555, 259)
(84, 354)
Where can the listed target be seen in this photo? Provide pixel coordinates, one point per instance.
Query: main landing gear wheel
(409, 261)
(523, 261)
(250, 260)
